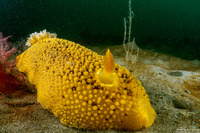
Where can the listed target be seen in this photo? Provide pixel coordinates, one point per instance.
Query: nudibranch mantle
(84, 89)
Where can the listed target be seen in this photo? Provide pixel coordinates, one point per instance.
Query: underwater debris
(8, 83)
(130, 46)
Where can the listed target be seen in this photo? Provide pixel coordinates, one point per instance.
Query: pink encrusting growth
(8, 83)
(5, 53)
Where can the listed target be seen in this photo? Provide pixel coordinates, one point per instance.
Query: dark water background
(166, 26)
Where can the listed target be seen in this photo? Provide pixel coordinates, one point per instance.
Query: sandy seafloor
(173, 86)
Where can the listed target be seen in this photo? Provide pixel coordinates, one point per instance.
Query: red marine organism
(8, 83)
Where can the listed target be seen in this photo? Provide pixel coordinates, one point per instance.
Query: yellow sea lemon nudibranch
(84, 89)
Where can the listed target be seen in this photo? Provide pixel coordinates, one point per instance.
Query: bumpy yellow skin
(69, 79)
